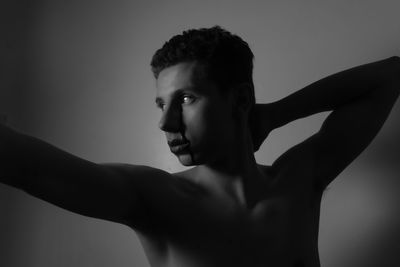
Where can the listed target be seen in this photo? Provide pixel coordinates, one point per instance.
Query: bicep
(104, 191)
(347, 131)
(86, 188)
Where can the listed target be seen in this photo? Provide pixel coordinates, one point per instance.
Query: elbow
(393, 72)
(394, 63)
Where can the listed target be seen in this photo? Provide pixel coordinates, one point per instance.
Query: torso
(279, 230)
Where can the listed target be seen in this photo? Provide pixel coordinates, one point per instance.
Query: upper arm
(103, 191)
(345, 133)
(348, 130)
(107, 191)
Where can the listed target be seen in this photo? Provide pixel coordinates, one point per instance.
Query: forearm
(335, 91)
(7, 137)
(27, 162)
(16, 156)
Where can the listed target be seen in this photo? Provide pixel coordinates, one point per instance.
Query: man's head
(227, 58)
(203, 77)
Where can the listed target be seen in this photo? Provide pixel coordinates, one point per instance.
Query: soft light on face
(196, 117)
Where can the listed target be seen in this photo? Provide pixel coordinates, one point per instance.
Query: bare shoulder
(298, 159)
(295, 167)
(155, 178)
(163, 196)
(141, 172)
(185, 183)
(153, 185)
(291, 183)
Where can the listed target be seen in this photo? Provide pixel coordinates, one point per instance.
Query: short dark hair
(227, 58)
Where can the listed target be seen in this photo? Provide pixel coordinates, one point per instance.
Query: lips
(177, 142)
(178, 145)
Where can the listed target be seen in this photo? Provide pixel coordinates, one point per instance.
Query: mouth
(178, 146)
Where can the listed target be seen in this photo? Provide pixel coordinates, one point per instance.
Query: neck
(235, 168)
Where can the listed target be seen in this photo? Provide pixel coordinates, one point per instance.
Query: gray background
(76, 74)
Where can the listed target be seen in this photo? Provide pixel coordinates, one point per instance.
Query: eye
(160, 105)
(188, 99)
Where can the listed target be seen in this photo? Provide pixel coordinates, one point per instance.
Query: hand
(260, 124)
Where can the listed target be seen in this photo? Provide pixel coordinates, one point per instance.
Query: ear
(242, 98)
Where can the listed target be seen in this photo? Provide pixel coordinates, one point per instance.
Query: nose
(171, 120)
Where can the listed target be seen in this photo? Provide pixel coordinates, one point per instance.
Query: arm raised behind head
(113, 192)
(360, 99)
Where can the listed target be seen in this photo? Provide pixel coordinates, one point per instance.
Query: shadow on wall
(360, 215)
(386, 156)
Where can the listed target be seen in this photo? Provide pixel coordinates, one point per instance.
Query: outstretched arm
(360, 99)
(114, 192)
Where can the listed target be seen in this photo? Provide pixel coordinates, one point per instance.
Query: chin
(186, 159)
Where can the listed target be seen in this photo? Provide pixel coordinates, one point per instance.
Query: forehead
(182, 76)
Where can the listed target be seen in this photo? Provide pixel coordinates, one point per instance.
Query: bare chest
(218, 230)
(277, 226)
(272, 219)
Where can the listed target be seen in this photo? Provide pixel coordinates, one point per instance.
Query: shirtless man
(227, 210)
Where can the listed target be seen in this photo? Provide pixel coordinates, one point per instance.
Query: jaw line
(191, 155)
(190, 150)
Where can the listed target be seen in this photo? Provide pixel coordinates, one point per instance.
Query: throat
(243, 190)
(237, 159)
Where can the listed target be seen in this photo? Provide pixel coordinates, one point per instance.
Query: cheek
(208, 126)
(196, 123)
